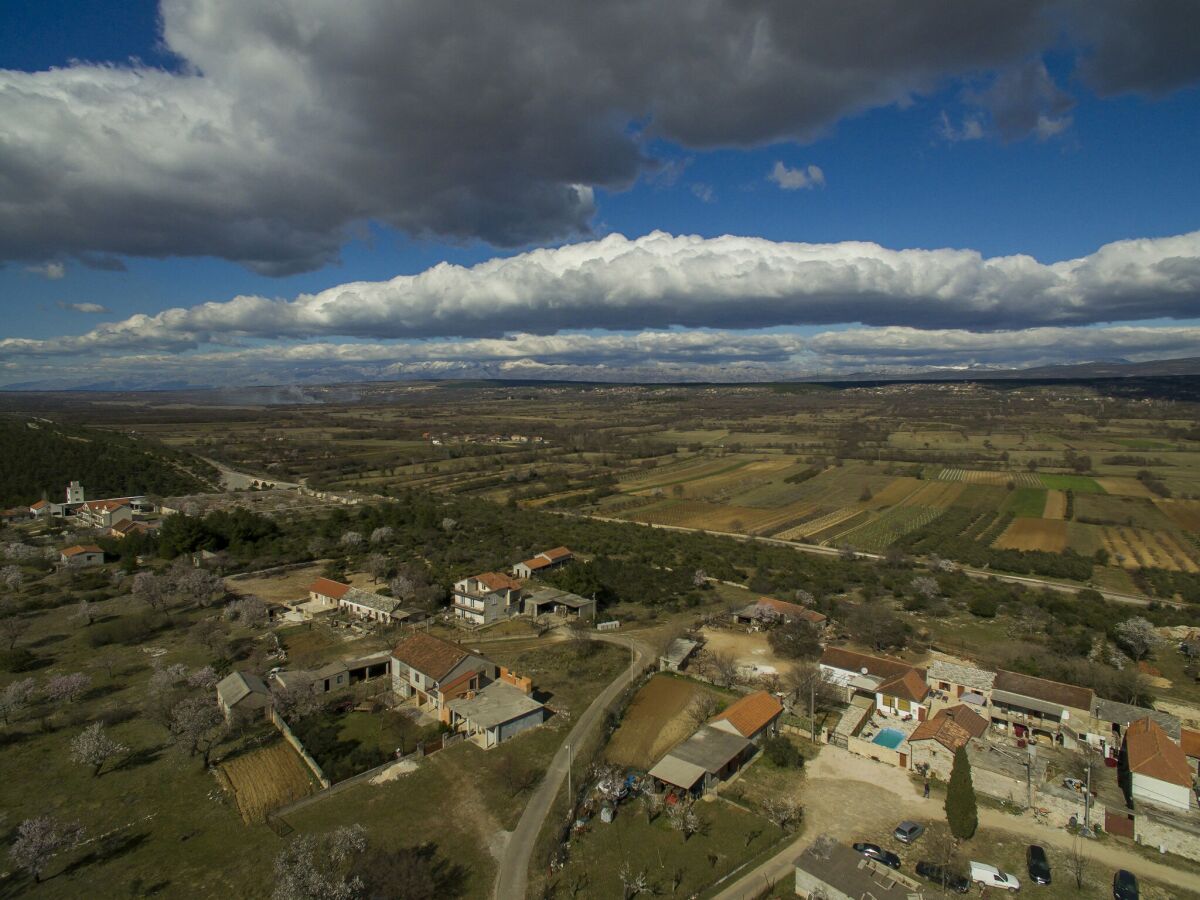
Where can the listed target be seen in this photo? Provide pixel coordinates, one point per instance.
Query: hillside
(40, 457)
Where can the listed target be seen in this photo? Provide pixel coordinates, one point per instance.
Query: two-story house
(1030, 706)
(483, 599)
(897, 687)
(437, 671)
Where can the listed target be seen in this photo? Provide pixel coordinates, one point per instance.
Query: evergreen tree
(961, 812)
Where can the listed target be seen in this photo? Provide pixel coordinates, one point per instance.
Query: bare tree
(382, 534)
(1077, 862)
(92, 747)
(151, 590)
(67, 689)
(703, 706)
(11, 577)
(250, 611)
(12, 627)
(210, 634)
(204, 678)
(84, 612)
(783, 812)
(652, 804)
(699, 578)
(379, 566)
(1136, 637)
(517, 775)
(316, 867)
(197, 726)
(16, 697)
(633, 881)
(723, 667)
(351, 540)
(199, 587)
(684, 818)
(38, 841)
(298, 700)
(580, 634)
(926, 587)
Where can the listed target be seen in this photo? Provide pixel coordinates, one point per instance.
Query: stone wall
(872, 751)
(1173, 834)
(278, 722)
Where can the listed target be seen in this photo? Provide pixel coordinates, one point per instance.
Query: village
(712, 714)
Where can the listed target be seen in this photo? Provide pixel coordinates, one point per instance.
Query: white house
(542, 562)
(436, 671)
(1157, 767)
(483, 599)
(105, 513)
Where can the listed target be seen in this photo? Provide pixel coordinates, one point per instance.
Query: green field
(1024, 502)
(1080, 484)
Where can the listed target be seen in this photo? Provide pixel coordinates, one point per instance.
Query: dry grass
(1056, 505)
(654, 723)
(266, 779)
(1185, 513)
(1034, 534)
(1124, 487)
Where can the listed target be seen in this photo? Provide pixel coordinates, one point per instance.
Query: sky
(224, 192)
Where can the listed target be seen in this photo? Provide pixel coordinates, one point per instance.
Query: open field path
(513, 875)
(851, 798)
(1029, 580)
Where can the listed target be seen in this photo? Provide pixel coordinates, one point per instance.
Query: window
(903, 705)
(889, 701)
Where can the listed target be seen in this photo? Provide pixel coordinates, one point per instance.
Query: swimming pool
(889, 737)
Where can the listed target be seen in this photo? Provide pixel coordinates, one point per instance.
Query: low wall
(278, 722)
(871, 750)
(1166, 833)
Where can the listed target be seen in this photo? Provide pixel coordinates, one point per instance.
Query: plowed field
(1056, 505)
(654, 723)
(1034, 534)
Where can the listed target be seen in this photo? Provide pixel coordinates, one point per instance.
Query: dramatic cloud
(52, 271)
(796, 179)
(94, 308)
(1025, 100)
(660, 281)
(288, 125)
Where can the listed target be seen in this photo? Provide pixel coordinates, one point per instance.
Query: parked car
(990, 876)
(1039, 865)
(874, 851)
(907, 832)
(1125, 886)
(943, 877)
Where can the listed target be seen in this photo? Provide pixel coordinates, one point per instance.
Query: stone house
(243, 696)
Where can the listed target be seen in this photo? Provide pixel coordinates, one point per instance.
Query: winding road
(513, 875)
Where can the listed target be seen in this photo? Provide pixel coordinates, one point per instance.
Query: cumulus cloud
(796, 179)
(51, 271)
(288, 125)
(660, 280)
(94, 308)
(971, 129)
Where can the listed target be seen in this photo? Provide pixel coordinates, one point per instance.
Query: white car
(993, 877)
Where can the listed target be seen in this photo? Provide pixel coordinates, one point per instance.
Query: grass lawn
(1080, 484)
(386, 730)
(730, 835)
(762, 780)
(1025, 502)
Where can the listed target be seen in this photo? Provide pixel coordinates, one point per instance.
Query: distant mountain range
(297, 390)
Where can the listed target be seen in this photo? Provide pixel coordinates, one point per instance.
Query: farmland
(656, 720)
(266, 779)
(977, 472)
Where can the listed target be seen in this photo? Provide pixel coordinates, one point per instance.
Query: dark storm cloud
(290, 124)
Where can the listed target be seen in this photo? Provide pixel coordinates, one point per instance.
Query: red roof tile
(952, 728)
(81, 548)
(1151, 752)
(496, 581)
(429, 655)
(752, 713)
(327, 587)
(1189, 740)
(908, 686)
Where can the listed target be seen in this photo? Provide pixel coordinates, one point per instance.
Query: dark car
(1125, 886)
(874, 851)
(1039, 866)
(943, 877)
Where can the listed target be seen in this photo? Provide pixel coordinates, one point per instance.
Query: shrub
(782, 752)
(983, 606)
(17, 660)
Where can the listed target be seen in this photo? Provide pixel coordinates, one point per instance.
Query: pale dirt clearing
(284, 587)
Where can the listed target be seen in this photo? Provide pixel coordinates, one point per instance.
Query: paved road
(1027, 580)
(233, 480)
(512, 878)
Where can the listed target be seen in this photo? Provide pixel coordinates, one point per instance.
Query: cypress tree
(961, 812)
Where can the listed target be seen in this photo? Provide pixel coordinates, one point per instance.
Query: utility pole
(570, 793)
(1087, 795)
(812, 707)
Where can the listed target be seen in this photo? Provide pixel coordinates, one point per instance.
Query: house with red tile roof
(486, 598)
(934, 742)
(543, 562)
(752, 716)
(327, 592)
(1156, 768)
(40, 510)
(82, 555)
(898, 688)
(432, 670)
(105, 513)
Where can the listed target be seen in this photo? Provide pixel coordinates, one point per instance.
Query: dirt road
(513, 875)
(848, 796)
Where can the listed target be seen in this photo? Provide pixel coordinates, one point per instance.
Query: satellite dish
(864, 670)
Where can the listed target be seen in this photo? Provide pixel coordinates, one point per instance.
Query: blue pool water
(889, 737)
